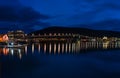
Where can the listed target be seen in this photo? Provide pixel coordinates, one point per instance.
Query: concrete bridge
(54, 37)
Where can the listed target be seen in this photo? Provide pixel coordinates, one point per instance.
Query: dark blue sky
(36, 14)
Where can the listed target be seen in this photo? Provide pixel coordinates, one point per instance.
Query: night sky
(30, 15)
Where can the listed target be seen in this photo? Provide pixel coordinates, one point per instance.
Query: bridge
(53, 37)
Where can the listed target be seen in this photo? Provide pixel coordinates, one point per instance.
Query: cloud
(23, 14)
(81, 12)
(65, 12)
(14, 3)
(86, 11)
(14, 15)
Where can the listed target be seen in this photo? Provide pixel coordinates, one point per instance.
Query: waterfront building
(18, 35)
(4, 38)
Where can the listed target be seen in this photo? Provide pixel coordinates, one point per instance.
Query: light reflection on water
(61, 60)
(57, 48)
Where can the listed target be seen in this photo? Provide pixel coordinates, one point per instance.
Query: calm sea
(61, 60)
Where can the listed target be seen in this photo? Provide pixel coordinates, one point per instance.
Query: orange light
(5, 51)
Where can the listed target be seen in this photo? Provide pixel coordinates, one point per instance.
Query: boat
(14, 45)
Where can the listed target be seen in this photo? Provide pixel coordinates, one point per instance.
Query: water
(61, 60)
